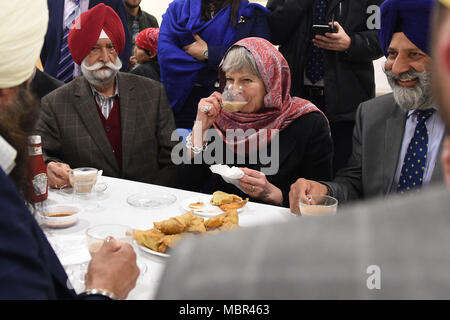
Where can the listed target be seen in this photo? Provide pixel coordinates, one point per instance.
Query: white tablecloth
(112, 208)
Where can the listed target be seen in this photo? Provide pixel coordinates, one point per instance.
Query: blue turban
(412, 17)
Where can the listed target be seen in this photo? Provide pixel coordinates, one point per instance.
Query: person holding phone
(330, 46)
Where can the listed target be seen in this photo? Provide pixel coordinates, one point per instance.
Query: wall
(158, 8)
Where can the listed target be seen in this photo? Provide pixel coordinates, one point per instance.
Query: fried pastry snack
(197, 225)
(170, 226)
(169, 241)
(225, 220)
(233, 205)
(187, 222)
(220, 198)
(150, 238)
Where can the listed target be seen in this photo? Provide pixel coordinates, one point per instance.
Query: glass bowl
(60, 215)
(147, 200)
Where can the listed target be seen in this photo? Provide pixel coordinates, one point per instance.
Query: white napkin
(70, 249)
(230, 175)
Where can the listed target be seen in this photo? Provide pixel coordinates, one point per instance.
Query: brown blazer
(72, 131)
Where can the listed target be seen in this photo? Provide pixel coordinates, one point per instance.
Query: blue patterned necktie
(411, 176)
(66, 65)
(314, 64)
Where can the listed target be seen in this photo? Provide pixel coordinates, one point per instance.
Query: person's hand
(196, 48)
(113, 268)
(339, 41)
(133, 62)
(256, 185)
(208, 110)
(445, 159)
(300, 189)
(58, 174)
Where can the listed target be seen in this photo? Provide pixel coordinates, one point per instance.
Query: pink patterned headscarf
(280, 109)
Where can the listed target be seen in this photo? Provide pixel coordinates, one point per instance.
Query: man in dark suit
(29, 267)
(114, 121)
(335, 70)
(389, 133)
(138, 19)
(43, 83)
(61, 14)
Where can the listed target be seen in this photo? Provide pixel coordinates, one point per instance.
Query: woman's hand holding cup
(208, 110)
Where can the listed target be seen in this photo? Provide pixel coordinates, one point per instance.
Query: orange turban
(87, 28)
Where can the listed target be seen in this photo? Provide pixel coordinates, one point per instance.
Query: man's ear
(445, 159)
(444, 55)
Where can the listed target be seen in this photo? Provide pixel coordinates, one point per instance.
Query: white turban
(23, 25)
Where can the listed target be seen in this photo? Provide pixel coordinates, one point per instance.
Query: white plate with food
(201, 205)
(156, 253)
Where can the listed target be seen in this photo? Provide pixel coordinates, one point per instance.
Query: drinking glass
(318, 205)
(233, 99)
(97, 235)
(84, 174)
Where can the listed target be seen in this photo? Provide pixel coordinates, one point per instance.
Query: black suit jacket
(44, 83)
(29, 268)
(305, 150)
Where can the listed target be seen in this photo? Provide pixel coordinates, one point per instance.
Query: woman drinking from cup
(255, 70)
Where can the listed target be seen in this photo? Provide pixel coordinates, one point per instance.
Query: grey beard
(419, 97)
(100, 77)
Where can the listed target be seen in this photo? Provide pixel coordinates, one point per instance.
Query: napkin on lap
(230, 175)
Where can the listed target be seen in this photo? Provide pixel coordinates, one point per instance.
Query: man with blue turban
(398, 136)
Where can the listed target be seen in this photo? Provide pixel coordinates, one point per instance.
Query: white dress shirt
(436, 130)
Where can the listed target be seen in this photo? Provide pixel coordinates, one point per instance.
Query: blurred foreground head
(441, 58)
(23, 25)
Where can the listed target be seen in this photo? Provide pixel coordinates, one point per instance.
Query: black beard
(131, 6)
(17, 122)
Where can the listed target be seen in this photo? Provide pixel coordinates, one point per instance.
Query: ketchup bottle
(37, 170)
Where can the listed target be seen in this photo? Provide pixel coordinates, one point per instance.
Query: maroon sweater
(113, 130)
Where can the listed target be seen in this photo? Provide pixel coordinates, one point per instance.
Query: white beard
(98, 77)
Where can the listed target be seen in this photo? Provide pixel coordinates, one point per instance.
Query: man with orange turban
(106, 119)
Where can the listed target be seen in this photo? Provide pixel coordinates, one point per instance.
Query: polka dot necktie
(314, 64)
(411, 176)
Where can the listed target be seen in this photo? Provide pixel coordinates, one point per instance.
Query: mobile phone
(321, 29)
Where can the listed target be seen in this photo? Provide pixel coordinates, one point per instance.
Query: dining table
(112, 206)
